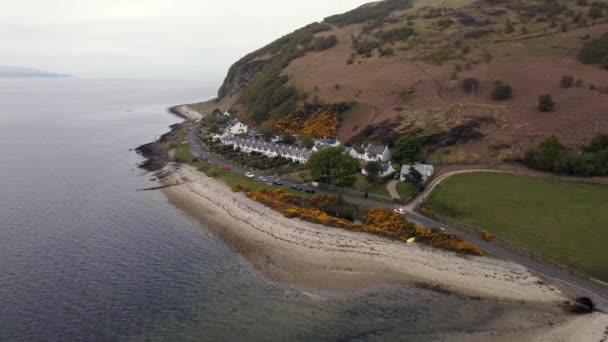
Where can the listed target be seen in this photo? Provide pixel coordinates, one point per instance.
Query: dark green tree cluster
(552, 156)
(406, 150)
(332, 166)
(380, 10)
(395, 35)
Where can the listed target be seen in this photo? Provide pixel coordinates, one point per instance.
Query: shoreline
(318, 257)
(308, 256)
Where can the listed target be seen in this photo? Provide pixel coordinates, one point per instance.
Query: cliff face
(403, 64)
(239, 76)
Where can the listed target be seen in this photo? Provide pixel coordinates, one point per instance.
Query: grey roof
(372, 149)
(383, 166)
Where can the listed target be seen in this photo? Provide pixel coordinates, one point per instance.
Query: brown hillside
(416, 87)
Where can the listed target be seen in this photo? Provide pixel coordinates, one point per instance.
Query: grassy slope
(562, 220)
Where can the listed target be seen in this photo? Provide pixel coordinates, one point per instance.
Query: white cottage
(236, 127)
(425, 170)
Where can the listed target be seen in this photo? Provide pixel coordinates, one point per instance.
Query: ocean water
(85, 256)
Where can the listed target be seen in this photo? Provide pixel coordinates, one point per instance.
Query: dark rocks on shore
(157, 156)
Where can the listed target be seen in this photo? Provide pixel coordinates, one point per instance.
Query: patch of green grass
(565, 221)
(406, 190)
(183, 154)
(360, 182)
(379, 190)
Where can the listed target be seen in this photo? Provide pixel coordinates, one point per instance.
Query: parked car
(227, 168)
(310, 190)
(400, 211)
(203, 158)
(277, 182)
(262, 178)
(296, 187)
(250, 175)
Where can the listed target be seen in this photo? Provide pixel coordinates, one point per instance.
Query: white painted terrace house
(271, 150)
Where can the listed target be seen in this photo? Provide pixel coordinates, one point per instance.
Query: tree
(267, 135)
(406, 150)
(545, 103)
(332, 165)
(414, 176)
(501, 91)
(567, 81)
(470, 84)
(214, 128)
(307, 142)
(288, 139)
(598, 143)
(373, 169)
(547, 154)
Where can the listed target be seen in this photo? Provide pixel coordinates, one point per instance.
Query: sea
(86, 255)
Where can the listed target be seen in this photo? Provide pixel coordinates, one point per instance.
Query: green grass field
(565, 221)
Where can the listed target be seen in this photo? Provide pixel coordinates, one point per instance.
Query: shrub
(470, 84)
(545, 103)
(386, 52)
(501, 91)
(595, 12)
(395, 35)
(566, 81)
(594, 51)
(324, 43)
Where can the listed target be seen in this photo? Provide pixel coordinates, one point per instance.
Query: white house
(226, 113)
(425, 170)
(386, 169)
(371, 153)
(237, 127)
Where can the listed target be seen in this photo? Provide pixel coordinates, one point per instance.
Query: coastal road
(571, 283)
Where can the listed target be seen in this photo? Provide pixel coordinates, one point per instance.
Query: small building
(370, 153)
(226, 113)
(425, 170)
(386, 169)
(236, 127)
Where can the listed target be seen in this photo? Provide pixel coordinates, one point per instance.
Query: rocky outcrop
(240, 74)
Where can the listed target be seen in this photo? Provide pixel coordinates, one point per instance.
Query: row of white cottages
(271, 150)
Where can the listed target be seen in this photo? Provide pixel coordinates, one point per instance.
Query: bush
(386, 52)
(595, 12)
(545, 103)
(566, 81)
(594, 51)
(501, 91)
(486, 235)
(470, 84)
(324, 43)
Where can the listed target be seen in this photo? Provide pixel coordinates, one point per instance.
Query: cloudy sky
(148, 38)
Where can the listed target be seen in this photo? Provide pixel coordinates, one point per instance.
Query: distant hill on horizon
(17, 72)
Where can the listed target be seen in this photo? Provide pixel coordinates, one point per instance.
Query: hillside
(395, 68)
(18, 72)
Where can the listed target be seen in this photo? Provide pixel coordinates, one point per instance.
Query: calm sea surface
(85, 256)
